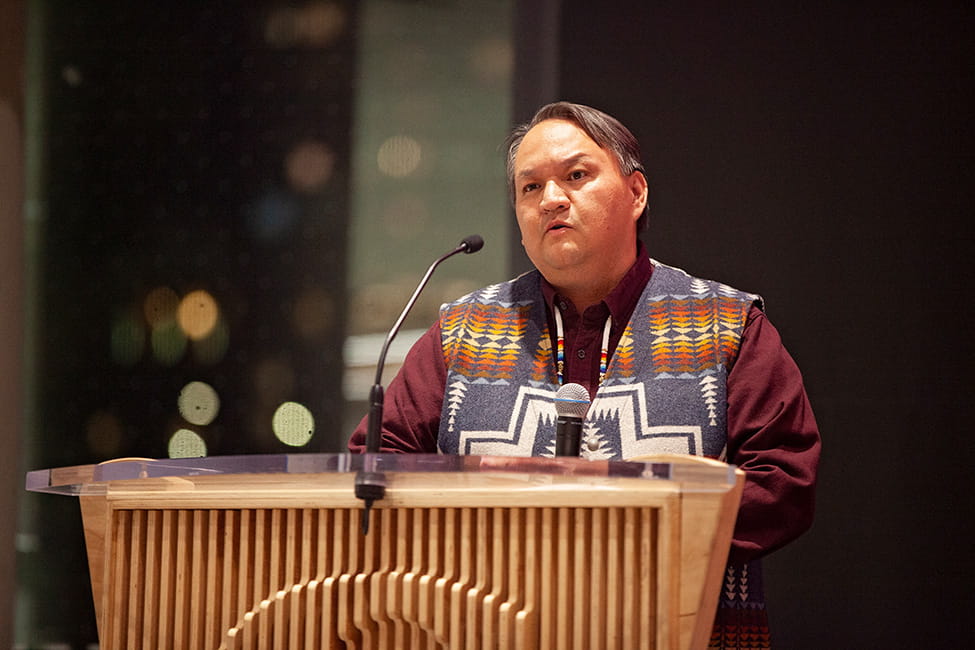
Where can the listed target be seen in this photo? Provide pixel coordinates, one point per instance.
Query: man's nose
(553, 198)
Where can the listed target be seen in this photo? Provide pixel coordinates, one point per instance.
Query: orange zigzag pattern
(694, 334)
(543, 369)
(624, 359)
(482, 340)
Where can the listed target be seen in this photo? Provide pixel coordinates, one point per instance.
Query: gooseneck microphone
(370, 485)
(571, 405)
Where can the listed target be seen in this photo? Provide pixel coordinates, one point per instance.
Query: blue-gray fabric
(664, 391)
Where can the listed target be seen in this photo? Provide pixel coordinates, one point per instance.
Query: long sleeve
(413, 401)
(773, 437)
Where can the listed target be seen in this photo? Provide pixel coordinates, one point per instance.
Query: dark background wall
(821, 154)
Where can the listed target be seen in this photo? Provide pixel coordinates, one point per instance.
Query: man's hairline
(515, 147)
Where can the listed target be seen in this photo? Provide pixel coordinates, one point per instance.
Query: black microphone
(370, 485)
(571, 405)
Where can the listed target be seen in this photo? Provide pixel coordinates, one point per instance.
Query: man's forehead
(555, 141)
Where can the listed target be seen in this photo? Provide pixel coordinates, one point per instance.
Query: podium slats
(150, 588)
(431, 578)
(207, 576)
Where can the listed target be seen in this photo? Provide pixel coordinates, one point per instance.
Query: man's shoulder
(520, 290)
(673, 281)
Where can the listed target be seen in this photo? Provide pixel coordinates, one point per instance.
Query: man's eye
(529, 188)
(576, 175)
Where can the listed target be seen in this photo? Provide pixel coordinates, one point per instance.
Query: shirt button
(593, 445)
(581, 354)
(563, 306)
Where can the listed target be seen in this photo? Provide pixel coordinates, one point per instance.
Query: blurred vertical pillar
(537, 36)
(11, 294)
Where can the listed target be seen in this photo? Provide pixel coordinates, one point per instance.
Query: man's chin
(555, 267)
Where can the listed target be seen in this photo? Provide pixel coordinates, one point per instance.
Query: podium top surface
(95, 479)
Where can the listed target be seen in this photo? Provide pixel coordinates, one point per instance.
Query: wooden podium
(464, 552)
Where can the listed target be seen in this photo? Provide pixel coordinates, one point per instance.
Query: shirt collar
(622, 300)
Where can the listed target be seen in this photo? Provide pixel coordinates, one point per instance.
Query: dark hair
(605, 130)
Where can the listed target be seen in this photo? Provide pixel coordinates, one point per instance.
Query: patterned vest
(664, 391)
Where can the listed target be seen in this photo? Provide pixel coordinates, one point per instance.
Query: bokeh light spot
(274, 215)
(399, 156)
(168, 344)
(128, 339)
(308, 166)
(198, 403)
(72, 75)
(213, 347)
(322, 22)
(197, 314)
(314, 25)
(293, 424)
(492, 59)
(186, 444)
(160, 306)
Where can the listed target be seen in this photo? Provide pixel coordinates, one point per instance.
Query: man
(672, 363)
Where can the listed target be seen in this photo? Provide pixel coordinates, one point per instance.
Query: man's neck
(588, 295)
(592, 289)
(585, 295)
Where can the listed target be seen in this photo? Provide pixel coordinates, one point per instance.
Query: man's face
(576, 210)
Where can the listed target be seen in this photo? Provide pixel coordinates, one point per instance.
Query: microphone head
(472, 243)
(572, 400)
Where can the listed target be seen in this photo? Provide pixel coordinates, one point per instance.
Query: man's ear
(638, 185)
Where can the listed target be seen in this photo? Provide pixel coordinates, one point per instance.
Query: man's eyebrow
(566, 162)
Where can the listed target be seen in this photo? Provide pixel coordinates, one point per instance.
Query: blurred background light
(293, 424)
(314, 25)
(160, 306)
(213, 347)
(128, 338)
(197, 314)
(168, 344)
(273, 216)
(399, 156)
(71, 75)
(308, 166)
(491, 60)
(186, 444)
(198, 403)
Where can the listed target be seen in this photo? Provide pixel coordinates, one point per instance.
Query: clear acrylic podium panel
(94, 479)
(463, 552)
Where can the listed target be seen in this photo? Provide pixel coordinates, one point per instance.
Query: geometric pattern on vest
(665, 387)
(665, 391)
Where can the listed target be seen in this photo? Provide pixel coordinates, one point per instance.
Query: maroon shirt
(772, 433)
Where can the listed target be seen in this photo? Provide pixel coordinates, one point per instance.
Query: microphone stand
(370, 483)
